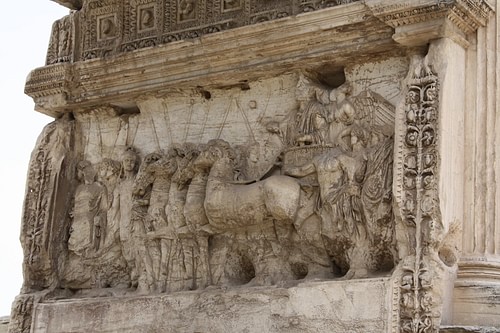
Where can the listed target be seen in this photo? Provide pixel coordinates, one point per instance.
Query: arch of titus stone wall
(265, 166)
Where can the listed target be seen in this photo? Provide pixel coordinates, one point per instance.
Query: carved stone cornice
(470, 15)
(417, 22)
(50, 86)
(71, 4)
(215, 60)
(111, 27)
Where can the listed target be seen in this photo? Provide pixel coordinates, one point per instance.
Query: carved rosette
(419, 311)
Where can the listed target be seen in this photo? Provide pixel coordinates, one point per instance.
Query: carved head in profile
(186, 9)
(147, 18)
(431, 93)
(304, 90)
(254, 152)
(168, 165)
(107, 27)
(109, 169)
(158, 164)
(85, 172)
(273, 127)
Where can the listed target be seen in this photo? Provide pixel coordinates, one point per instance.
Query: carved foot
(269, 280)
(359, 273)
(161, 286)
(256, 281)
(319, 273)
(143, 289)
(260, 281)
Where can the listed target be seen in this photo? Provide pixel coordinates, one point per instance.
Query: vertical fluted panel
(470, 148)
(491, 50)
(497, 134)
(482, 198)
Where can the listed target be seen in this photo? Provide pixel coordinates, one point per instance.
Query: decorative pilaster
(468, 126)
(478, 278)
(421, 275)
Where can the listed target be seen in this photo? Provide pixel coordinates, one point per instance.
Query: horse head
(186, 169)
(146, 174)
(218, 158)
(212, 152)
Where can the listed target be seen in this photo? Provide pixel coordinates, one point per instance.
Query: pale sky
(25, 31)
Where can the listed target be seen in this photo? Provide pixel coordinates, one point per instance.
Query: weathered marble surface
(357, 306)
(468, 329)
(4, 324)
(207, 173)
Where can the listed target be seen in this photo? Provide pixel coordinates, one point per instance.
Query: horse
(150, 191)
(255, 208)
(191, 182)
(155, 174)
(229, 205)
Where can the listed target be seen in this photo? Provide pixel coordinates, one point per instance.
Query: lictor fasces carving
(106, 27)
(419, 284)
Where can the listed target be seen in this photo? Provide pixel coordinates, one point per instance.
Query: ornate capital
(417, 22)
